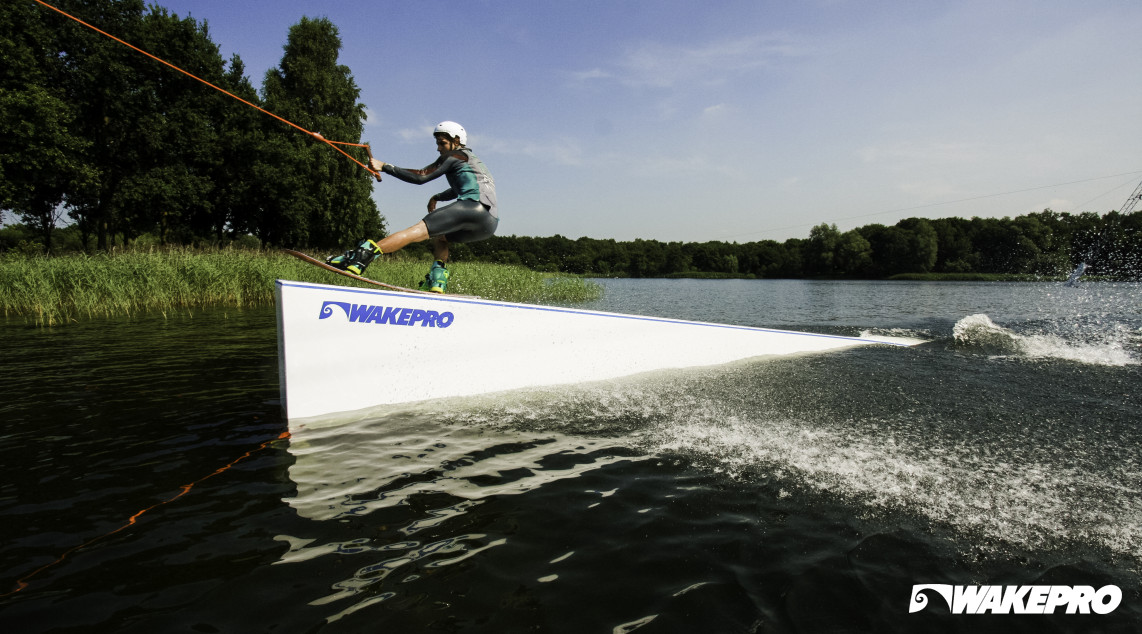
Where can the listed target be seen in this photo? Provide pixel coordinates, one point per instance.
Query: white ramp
(347, 349)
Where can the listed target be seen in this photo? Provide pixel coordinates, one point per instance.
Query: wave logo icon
(1018, 599)
(920, 600)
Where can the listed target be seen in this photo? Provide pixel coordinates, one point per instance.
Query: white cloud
(588, 75)
(560, 151)
(654, 64)
(423, 133)
(716, 110)
(371, 117)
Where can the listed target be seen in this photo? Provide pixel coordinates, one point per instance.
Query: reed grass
(54, 290)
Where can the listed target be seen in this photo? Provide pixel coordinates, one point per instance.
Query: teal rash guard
(468, 178)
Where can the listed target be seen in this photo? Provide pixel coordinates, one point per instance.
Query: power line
(1106, 193)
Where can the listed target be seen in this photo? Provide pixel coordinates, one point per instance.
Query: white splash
(979, 331)
(1030, 504)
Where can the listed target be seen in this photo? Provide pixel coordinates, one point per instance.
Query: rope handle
(368, 150)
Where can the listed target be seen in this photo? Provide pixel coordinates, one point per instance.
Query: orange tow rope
(332, 144)
(22, 582)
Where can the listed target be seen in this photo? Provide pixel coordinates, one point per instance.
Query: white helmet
(451, 128)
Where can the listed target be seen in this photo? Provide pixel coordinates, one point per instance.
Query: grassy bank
(52, 290)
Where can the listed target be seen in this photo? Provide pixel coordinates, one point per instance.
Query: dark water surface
(804, 494)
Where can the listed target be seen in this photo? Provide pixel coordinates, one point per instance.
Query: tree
(853, 255)
(127, 145)
(171, 192)
(922, 247)
(1003, 246)
(821, 250)
(242, 136)
(889, 249)
(768, 258)
(647, 259)
(107, 82)
(953, 245)
(322, 198)
(676, 259)
(40, 149)
(793, 265)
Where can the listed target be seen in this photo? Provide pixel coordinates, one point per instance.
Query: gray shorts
(462, 221)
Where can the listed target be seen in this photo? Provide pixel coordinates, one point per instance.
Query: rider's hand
(432, 204)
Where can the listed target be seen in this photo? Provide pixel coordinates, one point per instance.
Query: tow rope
(332, 144)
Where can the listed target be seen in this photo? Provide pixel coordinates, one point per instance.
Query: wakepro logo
(391, 315)
(1019, 599)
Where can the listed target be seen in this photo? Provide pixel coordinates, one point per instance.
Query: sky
(736, 121)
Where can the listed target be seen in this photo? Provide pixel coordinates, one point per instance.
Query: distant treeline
(1041, 244)
(1046, 243)
(101, 136)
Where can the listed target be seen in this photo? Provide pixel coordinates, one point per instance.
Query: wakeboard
(301, 256)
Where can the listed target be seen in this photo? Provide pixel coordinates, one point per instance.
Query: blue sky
(737, 121)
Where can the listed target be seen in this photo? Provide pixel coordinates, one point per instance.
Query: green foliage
(40, 151)
(325, 198)
(854, 254)
(821, 250)
(126, 146)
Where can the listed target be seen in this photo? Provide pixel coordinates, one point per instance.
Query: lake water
(146, 487)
